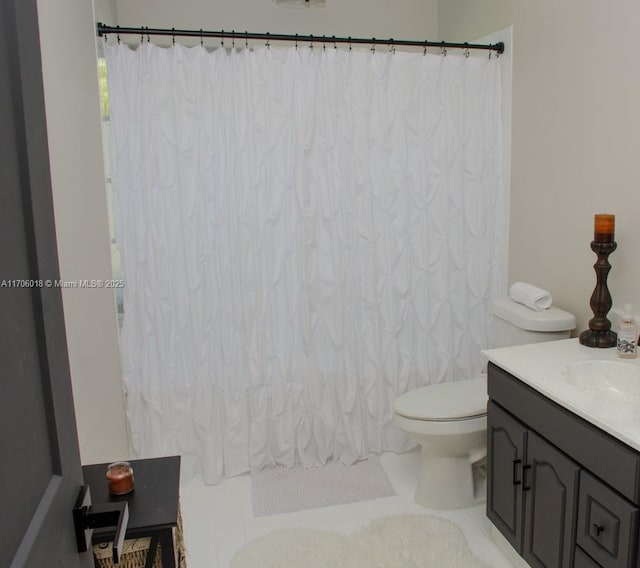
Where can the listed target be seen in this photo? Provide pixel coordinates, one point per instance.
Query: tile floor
(218, 519)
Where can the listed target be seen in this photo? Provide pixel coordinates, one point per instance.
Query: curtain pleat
(305, 235)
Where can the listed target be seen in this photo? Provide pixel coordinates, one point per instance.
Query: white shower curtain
(305, 235)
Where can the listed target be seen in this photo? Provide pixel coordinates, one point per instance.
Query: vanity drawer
(607, 524)
(583, 560)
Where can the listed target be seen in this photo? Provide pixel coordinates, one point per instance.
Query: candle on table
(120, 478)
(604, 228)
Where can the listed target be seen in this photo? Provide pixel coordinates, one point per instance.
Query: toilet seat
(445, 402)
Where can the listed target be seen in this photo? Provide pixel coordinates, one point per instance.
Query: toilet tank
(515, 324)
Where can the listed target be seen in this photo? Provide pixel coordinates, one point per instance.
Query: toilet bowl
(449, 420)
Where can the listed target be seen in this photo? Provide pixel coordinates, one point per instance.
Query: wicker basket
(135, 552)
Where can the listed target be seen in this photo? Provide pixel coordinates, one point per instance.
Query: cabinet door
(506, 438)
(550, 485)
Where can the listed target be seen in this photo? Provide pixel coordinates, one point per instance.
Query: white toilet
(449, 420)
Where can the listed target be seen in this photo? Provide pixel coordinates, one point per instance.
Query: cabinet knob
(598, 528)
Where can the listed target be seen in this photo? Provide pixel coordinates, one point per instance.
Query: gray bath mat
(279, 489)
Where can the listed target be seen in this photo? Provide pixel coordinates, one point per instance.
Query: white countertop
(543, 366)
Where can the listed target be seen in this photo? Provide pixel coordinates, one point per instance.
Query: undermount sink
(605, 378)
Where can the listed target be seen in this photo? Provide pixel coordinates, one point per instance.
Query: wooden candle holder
(599, 333)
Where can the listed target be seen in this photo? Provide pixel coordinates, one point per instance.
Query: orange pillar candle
(604, 229)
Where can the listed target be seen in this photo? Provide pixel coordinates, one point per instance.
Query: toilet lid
(456, 400)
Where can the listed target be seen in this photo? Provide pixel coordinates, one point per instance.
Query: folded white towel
(531, 296)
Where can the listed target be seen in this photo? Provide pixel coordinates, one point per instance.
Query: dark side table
(153, 504)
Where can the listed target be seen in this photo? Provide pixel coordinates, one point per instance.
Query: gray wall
(105, 11)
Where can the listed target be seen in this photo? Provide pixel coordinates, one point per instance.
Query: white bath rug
(401, 541)
(280, 489)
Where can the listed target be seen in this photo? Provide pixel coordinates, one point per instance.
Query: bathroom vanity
(563, 465)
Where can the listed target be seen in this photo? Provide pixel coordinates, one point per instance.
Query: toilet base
(447, 482)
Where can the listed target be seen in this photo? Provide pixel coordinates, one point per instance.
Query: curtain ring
(373, 47)
(425, 48)
(466, 50)
(311, 42)
(349, 43)
(148, 38)
(222, 40)
(267, 45)
(444, 50)
(335, 45)
(392, 48)
(118, 34)
(324, 43)
(201, 39)
(246, 39)
(296, 42)
(173, 36)
(141, 35)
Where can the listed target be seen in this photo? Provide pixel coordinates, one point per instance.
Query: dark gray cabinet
(562, 492)
(506, 439)
(550, 484)
(531, 492)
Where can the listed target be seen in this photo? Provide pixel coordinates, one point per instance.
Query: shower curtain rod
(104, 30)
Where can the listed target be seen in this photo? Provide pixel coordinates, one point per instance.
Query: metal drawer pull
(515, 465)
(598, 528)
